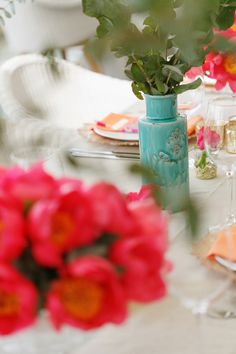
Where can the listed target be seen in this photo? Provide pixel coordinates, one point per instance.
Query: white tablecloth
(163, 327)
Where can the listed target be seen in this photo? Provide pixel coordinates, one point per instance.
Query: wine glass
(190, 102)
(220, 143)
(196, 286)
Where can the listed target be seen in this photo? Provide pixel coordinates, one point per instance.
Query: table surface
(166, 326)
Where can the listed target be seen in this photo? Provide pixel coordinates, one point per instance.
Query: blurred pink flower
(12, 230)
(200, 138)
(220, 66)
(110, 210)
(88, 295)
(28, 185)
(142, 260)
(59, 224)
(212, 137)
(144, 193)
(18, 299)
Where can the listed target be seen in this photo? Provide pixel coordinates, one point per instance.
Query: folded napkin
(224, 245)
(118, 123)
(125, 123)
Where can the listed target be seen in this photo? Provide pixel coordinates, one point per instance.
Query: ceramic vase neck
(161, 108)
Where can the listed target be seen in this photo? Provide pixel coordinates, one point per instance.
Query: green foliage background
(176, 35)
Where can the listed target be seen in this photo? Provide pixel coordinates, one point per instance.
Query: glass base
(225, 307)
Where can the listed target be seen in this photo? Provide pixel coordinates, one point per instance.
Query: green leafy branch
(176, 35)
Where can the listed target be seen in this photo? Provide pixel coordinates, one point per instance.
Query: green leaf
(129, 74)
(137, 91)
(105, 27)
(222, 44)
(92, 8)
(173, 69)
(226, 18)
(137, 73)
(161, 86)
(201, 162)
(191, 86)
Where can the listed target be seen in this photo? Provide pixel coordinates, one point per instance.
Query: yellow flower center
(82, 298)
(230, 63)
(9, 304)
(62, 225)
(233, 28)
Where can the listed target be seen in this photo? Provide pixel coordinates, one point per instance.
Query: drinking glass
(220, 144)
(196, 286)
(191, 102)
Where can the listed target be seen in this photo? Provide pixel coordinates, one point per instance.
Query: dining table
(165, 326)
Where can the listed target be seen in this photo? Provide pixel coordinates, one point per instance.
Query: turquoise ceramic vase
(164, 149)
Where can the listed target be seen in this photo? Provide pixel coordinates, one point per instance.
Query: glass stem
(230, 184)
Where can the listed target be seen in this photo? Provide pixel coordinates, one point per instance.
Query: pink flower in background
(200, 138)
(220, 66)
(28, 185)
(194, 72)
(58, 225)
(213, 138)
(142, 260)
(18, 301)
(88, 295)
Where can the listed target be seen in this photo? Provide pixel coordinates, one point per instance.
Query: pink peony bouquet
(82, 253)
(220, 66)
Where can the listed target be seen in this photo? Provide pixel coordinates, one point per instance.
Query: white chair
(28, 89)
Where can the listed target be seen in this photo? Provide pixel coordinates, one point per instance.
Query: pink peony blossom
(18, 301)
(110, 210)
(143, 263)
(88, 295)
(148, 220)
(59, 224)
(12, 230)
(28, 185)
